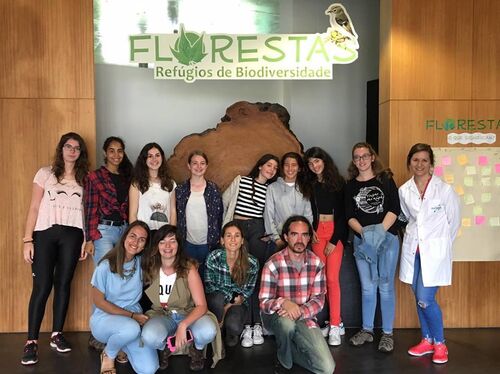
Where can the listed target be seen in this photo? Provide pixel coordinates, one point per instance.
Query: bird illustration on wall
(342, 30)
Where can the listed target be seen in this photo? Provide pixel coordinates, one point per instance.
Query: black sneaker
(30, 354)
(60, 343)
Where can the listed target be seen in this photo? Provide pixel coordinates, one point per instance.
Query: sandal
(109, 370)
(121, 357)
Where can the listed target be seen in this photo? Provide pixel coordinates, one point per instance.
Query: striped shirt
(251, 199)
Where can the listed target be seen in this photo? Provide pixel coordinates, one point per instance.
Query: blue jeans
(110, 236)
(157, 329)
(199, 252)
(386, 289)
(428, 310)
(123, 333)
(297, 343)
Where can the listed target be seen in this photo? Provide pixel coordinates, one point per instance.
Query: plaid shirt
(281, 280)
(218, 278)
(100, 200)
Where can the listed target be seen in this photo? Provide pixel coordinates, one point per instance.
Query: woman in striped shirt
(244, 201)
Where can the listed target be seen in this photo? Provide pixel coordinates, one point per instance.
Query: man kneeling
(292, 292)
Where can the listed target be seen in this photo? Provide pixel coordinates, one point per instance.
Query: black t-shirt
(121, 194)
(369, 201)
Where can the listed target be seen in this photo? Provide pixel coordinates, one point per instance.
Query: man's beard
(303, 248)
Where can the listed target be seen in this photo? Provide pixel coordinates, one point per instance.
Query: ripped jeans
(428, 310)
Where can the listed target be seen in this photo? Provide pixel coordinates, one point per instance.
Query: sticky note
(469, 199)
(479, 220)
(486, 181)
(468, 181)
(466, 222)
(470, 170)
(459, 190)
(446, 160)
(438, 171)
(449, 178)
(486, 197)
(497, 168)
(477, 210)
(486, 170)
(495, 221)
(482, 160)
(462, 159)
(497, 181)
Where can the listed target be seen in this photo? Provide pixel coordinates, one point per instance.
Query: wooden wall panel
(442, 63)
(46, 89)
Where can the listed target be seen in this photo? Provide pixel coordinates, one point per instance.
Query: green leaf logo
(449, 124)
(189, 47)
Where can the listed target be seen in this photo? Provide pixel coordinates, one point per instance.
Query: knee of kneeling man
(285, 324)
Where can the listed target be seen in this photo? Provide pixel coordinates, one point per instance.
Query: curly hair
(116, 256)
(301, 175)
(125, 167)
(152, 263)
(331, 177)
(141, 171)
(240, 268)
(81, 164)
(378, 168)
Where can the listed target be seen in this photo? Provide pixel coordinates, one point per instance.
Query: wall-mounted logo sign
(190, 55)
(466, 124)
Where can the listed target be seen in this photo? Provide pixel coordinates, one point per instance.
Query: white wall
(329, 114)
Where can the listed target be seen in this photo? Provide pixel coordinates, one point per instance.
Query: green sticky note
(485, 197)
(469, 199)
(477, 210)
(486, 181)
(470, 170)
(468, 181)
(495, 221)
(486, 170)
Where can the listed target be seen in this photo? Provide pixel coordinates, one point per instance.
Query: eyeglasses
(70, 148)
(364, 157)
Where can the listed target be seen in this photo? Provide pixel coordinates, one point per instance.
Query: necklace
(129, 273)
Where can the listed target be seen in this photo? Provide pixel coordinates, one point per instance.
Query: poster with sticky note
(470, 170)
(468, 181)
(474, 174)
(446, 160)
(469, 199)
(486, 197)
(482, 160)
(486, 170)
(462, 159)
(438, 171)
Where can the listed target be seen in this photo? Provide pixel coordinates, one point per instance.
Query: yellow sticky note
(470, 170)
(486, 170)
(477, 210)
(468, 181)
(466, 222)
(486, 197)
(462, 159)
(486, 181)
(469, 199)
(459, 190)
(495, 221)
(449, 178)
(497, 181)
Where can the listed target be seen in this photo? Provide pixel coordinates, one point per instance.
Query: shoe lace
(247, 332)
(30, 347)
(59, 339)
(257, 330)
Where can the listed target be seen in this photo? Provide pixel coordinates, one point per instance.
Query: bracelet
(132, 315)
(25, 240)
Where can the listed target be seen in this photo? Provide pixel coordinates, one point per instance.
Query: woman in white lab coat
(433, 211)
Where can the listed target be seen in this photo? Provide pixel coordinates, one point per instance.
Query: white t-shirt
(166, 285)
(196, 218)
(154, 206)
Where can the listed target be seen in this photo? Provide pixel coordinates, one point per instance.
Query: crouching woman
(176, 291)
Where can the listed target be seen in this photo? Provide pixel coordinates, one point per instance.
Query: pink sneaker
(422, 348)
(440, 355)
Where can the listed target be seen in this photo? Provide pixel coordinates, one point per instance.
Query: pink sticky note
(438, 171)
(446, 160)
(482, 160)
(497, 168)
(479, 220)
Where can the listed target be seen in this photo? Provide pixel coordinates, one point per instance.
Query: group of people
(181, 263)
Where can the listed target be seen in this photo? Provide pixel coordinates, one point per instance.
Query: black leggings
(235, 316)
(57, 251)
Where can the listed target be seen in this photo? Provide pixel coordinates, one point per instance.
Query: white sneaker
(334, 336)
(257, 335)
(246, 337)
(326, 330)
(342, 329)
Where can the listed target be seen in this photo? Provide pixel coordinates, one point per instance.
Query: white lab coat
(432, 226)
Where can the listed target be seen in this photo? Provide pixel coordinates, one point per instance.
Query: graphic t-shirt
(166, 285)
(154, 206)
